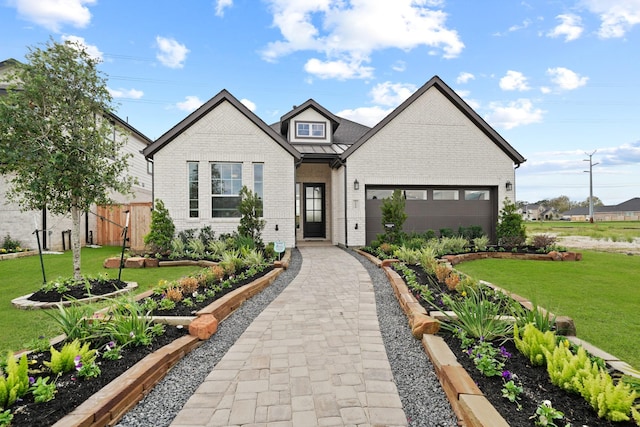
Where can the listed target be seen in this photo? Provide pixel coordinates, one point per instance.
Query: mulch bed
(97, 287)
(534, 380)
(72, 391)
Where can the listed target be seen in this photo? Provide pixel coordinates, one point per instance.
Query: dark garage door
(431, 208)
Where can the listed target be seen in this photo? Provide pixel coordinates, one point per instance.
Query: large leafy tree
(56, 140)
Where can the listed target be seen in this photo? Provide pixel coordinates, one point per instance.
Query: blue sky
(557, 79)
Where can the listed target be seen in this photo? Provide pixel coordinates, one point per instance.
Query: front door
(314, 211)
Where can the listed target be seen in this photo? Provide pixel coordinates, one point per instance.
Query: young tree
(251, 222)
(393, 215)
(510, 231)
(162, 229)
(56, 139)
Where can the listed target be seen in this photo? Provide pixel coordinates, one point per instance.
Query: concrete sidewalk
(313, 357)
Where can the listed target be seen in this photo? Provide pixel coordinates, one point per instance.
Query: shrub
(11, 245)
(510, 231)
(543, 241)
(393, 214)
(446, 232)
(188, 284)
(481, 243)
(251, 222)
(471, 232)
(162, 229)
(173, 294)
(206, 235)
(16, 382)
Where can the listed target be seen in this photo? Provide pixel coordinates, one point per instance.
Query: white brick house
(323, 177)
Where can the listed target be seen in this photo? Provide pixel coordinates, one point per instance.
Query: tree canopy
(57, 138)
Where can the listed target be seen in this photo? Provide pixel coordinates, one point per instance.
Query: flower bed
(476, 398)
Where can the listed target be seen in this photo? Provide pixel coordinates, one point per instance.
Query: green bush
(393, 216)
(510, 231)
(251, 222)
(162, 229)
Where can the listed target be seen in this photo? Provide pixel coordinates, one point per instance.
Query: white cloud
(79, 42)
(464, 77)
(617, 17)
(513, 114)
(514, 80)
(190, 103)
(53, 14)
(525, 24)
(339, 69)
(171, 53)
(570, 27)
(126, 93)
(391, 94)
(566, 79)
(249, 104)
(221, 5)
(348, 32)
(369, 116)
(399, 66)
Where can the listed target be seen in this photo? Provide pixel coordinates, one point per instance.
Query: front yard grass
(23, 275)
(600, 293)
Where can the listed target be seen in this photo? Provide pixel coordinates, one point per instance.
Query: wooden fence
(111, 220)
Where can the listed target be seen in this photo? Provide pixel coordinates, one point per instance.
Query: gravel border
(422, 397)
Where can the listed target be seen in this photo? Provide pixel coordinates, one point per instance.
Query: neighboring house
(323, 177)
(21, 225)
(625, 211)
(531, 212)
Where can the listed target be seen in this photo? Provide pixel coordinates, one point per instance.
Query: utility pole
(591, 165)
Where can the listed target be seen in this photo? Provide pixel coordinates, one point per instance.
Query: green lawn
(618, 231)
(23, 275)
(601, 293)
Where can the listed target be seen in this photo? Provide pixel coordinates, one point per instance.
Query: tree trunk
(75, 241)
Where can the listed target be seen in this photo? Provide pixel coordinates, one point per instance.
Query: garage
(435, 208)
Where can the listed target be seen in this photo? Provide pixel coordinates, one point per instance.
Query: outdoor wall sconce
(356, 225)
(276, 227)
(509, 186)
(356, 185)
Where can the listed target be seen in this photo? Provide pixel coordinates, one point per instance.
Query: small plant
(442, 272)
(188, 285)
(174, 294)
(177, 249)
(42, 389)
(486, 358)
(111, 351)
(476, 315)
(128, 324)
(251, 222)
(216, 248)
(613, 402)
(231, 262)
(452, 281)
(196, 248)
(534, 343)
(86, 369)
(546, 414)
(481, 243)
(5, 418)
(16, 382)
(567, 370)
(511, 390)
(187, 302)
(254, 258)
(73, 320)
(537, 316)
(543, 241)
(65, 359)
(38, 345)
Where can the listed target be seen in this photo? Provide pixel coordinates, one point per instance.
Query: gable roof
(437, 83)
(310, 103)
(211, 104)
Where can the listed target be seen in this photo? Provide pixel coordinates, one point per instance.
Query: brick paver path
(313, 357)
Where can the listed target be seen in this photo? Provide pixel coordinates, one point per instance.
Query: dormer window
(310, 130)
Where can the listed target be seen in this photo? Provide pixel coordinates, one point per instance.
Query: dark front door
(314, 213)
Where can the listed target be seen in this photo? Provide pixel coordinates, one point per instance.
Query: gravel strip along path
(422, 397)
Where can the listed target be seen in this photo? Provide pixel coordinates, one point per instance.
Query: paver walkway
(313, 357)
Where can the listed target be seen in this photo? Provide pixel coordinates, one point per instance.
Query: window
(258, 183)
(415, 194)
(226, 183)
(476, 194)
(310, 130)
(192, 170)
(446, 194)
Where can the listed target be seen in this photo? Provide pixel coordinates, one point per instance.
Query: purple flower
(504, 353)
(32, 380)
(507, 375)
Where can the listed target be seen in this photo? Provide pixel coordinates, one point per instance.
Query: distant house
(20, 225)
(323, 177)
(625, 211)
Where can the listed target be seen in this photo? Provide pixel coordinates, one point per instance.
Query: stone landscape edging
(111, 403)
(24, 303)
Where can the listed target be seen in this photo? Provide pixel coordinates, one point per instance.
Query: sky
(559, 80)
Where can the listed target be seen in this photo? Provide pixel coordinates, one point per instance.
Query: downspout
(346, 229)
